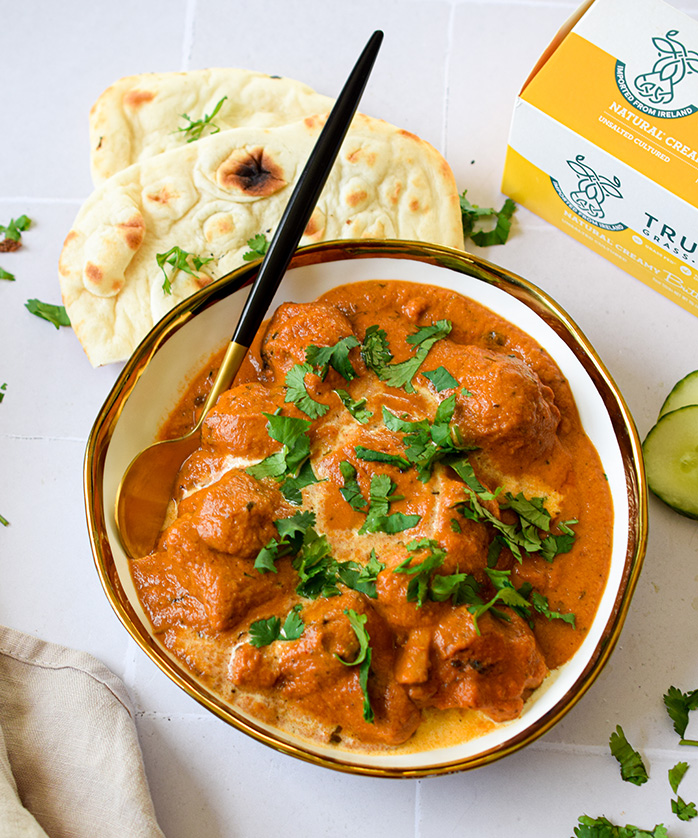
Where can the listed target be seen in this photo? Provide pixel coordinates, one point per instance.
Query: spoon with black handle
(146, 487)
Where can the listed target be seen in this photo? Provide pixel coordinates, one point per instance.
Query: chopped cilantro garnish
(264, 632)
(319, 573)
(684, 811)
(195, 127)
(3, 388)
(378, 357)
(370, 455)
(472, 214)
(321, 358)
(291, 432)
(441, 378)
(378, 519)
(426, 443)
(258, 247)
(351, 491)
(377, 508)
(523, 536)
(6, 275)
(540, 604)
(297, 392)
(676, 774)
(632, 768)
(47, 311)
(316, 568)
(375, 350)
(356, 408)
(421, 573)
(179, 260)
(603, 828)
(363, 658)
(13, 231)
(361, 578)
(678, 705)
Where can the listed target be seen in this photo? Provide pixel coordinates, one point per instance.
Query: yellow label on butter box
(643, 253)
(604, 140)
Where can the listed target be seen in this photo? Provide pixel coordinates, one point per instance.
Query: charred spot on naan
(135, 97)
(254, 172)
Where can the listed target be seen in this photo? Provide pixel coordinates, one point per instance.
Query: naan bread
(211, 196)
(139, 116)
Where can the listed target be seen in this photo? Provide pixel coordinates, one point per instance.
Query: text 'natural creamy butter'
(604, 140)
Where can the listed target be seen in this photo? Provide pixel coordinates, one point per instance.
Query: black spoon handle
(305, 195)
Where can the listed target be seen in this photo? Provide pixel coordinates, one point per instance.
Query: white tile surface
(449, 71)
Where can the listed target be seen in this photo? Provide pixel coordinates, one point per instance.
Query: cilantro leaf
(427, 443)
(351, 491)
(401, 374)
(421, 573)
(264, 632)
(316, 568)
(297, 392)
(683, 811)
(632, 768)
(678, 705)
(6, 275)
(441, 379)
(291, 532)
(603, 828)
(3, 388)
(292, 485)
(321, 358)
(363, 658)
(505, 593)
(676, 774)
(472, 214)
(179, 260)
(375, 350)
(258, 247)
(378, 357)
(293, 626)
(370, 455)
(356, 408)
(378, 519)
(358, 621)
(288, 462)
(47, 311)
(540, 603)
(13, 231)
(195, 127)
(523, 536)
(361, 578)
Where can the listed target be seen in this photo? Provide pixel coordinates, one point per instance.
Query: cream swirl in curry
(395, 522)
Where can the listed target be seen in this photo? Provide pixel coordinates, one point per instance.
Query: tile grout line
(188, 39)
(34, 199)
(447, 75)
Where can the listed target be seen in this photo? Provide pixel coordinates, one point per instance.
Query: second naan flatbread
(140, 116)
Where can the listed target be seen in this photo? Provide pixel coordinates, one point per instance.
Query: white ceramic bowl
(176, 349)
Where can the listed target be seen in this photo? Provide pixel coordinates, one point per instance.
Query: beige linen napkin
(70, 762)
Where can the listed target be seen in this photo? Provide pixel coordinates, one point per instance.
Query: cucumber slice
(685, 392)
(671, 459)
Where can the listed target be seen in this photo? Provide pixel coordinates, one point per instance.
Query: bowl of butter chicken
(409, 537)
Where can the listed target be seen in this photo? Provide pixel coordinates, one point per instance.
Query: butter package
(604, 140)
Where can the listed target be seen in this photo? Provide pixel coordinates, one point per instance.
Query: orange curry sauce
(402, 588)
